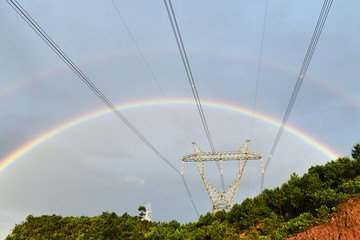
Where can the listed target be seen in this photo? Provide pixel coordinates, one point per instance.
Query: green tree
(355, 153)
(205, 220)
(142, 212)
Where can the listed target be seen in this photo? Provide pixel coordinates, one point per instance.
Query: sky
(79, 160)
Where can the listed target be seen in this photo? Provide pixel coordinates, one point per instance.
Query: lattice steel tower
(221, 200)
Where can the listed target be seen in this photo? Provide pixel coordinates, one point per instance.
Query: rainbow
(27, 147)
(330, 87)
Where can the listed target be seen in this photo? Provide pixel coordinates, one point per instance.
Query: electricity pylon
(224, 199)
(147, 215)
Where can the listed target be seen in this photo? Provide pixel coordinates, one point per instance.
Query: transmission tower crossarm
(221, 156)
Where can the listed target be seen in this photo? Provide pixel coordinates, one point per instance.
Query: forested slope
(279, 213)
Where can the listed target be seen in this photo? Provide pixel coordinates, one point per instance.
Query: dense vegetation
(274, 214)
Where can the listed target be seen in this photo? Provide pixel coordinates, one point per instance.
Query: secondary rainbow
(331, 87)
(21, 151)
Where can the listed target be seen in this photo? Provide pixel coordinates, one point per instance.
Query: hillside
(343, 225)
(326, 197)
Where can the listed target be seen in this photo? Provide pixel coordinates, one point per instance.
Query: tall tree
(142, 212)
(355, 153)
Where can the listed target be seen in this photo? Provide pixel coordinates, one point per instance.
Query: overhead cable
(160, 88)
(181, 47)
(312, 46)
(32, 23)
(258, 70)
(149, 69)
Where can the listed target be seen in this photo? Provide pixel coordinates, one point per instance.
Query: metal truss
(224, 199)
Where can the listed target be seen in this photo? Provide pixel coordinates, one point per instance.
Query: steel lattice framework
(224, 199)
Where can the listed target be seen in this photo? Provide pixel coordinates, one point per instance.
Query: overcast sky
(100, 165)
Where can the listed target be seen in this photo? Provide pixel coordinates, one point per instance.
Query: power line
(181, 47)
(312, 46)
(161, 90)
(258, 78)
(32, 23)
(258, 70)
(149, 69)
